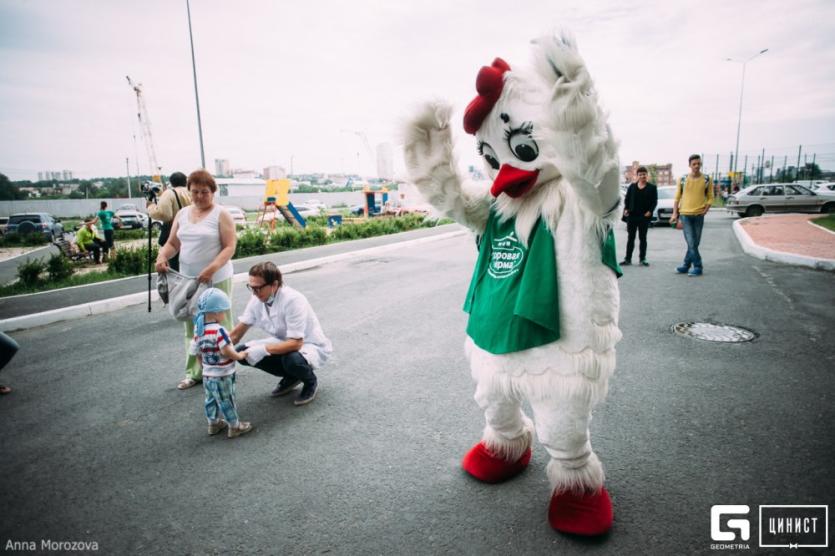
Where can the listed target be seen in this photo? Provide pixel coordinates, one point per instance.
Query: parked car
(238, 215)
(824, 188)
(315, 204)
(130, 217)
(664, 209)
(776, 198)
(31, 222)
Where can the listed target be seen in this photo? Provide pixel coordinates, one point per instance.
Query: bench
(66, 248)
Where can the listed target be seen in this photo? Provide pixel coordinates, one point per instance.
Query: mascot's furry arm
(576, 126)
(431, 166)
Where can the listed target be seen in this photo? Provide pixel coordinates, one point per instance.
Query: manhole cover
(714, 332)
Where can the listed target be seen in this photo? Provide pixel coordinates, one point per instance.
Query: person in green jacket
(87, 241)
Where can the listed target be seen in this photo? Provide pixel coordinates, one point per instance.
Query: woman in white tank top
(204, 236)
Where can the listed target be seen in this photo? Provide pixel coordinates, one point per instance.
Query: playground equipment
(370, 206)
(277, 201)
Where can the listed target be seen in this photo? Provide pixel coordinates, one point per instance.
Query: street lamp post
(196, 96)
(741, 91)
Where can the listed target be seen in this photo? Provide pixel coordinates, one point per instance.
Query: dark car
(35, 222)
(777, 198)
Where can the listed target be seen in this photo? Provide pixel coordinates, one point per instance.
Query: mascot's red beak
(513, 181)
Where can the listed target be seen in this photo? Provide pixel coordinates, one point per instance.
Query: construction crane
(364, 138)
(145, 126)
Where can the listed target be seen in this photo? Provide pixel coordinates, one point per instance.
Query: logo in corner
(741, 525)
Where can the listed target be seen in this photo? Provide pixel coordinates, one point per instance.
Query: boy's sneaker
(682, 269)
(644, 262)
(308, 393)
(216, 428)
(242, 428)
(625, 262)
(695, 271)
(285, 386)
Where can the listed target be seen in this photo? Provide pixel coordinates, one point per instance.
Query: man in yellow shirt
(694, 198)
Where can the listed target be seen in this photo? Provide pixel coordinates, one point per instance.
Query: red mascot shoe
(581, 514)
(484, 466)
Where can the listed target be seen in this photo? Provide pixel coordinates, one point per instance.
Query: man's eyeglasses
(256, 289)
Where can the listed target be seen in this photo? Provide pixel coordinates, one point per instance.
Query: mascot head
(510, 120)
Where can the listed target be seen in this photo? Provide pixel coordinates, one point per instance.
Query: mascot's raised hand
(543, 299)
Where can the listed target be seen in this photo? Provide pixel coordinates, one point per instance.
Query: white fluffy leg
(562, 425)
(508, 432)
(588, 477)
(510, 449)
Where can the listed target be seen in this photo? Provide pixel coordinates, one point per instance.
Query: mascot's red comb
(489, 84)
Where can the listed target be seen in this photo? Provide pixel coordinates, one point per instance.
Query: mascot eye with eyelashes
(521, 143)
(485, 150)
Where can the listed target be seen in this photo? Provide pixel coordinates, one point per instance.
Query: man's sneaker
(695, 271)
(216, 428)
(682, 269)
(285, 386)
(644, 262)
(625, 262)
(242, 428)
(308, 393)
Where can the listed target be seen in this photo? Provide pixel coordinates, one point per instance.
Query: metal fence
(766, 165)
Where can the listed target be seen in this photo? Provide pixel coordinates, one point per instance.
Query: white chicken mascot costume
(543, 301)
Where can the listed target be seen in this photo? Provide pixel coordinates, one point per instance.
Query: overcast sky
(281, 79)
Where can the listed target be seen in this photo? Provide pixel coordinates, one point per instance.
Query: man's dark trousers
(639, 225)
(292, 365)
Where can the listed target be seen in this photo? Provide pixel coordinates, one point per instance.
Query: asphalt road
(98, 445)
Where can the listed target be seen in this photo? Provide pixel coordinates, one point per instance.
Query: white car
(131, 218)
(824, 188)
(664, 209)
(238, 215)
(315, 204)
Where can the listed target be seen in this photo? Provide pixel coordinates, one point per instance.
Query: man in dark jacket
(641, 200)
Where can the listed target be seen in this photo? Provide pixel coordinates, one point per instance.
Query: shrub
(29, 273)
(59, 268)
(250, 242)
(314, 235)
(284, 238)
(134, 234)
(14, 239)
(129, 262)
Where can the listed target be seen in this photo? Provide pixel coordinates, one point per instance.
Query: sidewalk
(788, 238)
(16, 306)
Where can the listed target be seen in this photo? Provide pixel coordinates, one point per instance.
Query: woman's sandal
(5, 390)
(187, 383)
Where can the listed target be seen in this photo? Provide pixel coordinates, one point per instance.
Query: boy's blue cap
(212, 300)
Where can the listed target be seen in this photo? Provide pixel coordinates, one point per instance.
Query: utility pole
(797, 168)
(127, 169)
(756, 171)
(762, 164)
(196, 96)
(744, 171)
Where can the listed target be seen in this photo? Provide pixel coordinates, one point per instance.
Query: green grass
(827, 222)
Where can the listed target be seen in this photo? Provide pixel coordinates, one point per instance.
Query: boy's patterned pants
(220, 395)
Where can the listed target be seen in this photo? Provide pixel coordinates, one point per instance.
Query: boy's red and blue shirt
(208, 347)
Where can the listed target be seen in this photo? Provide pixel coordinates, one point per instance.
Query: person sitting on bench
(87, 240)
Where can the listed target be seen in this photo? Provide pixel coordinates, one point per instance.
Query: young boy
(217, 356)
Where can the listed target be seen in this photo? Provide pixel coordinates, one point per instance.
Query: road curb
(766, 254)
(114, 304)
